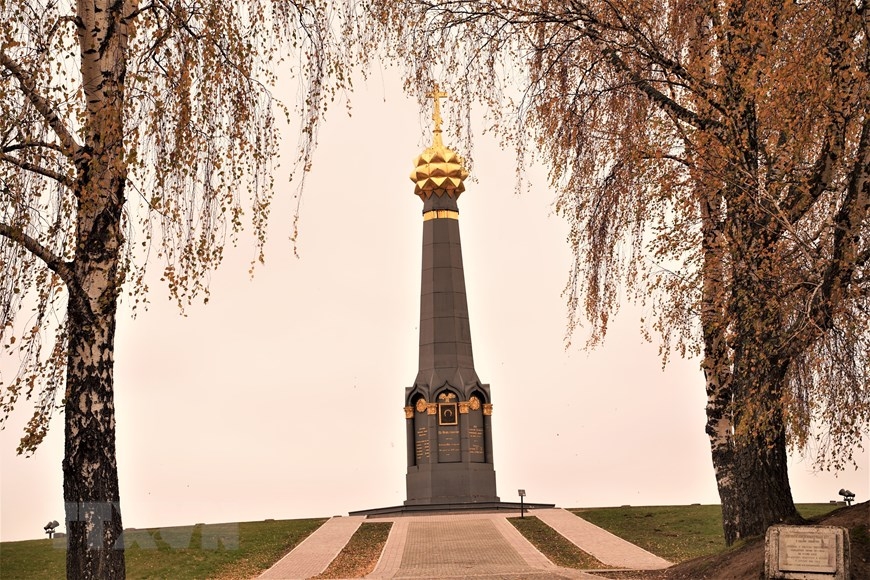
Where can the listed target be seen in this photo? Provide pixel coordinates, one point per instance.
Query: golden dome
(438, 169)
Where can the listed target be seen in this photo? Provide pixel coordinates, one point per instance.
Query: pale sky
(282, 398)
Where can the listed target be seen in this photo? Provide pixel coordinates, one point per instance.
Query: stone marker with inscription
(806, 553)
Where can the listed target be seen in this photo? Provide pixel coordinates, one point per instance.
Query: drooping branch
(33, 144)
(68, 142)
(800, 200)
(658, 97)
(34, 168)
(52, 261)
(847, 257)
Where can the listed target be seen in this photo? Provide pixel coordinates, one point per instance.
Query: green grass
(360, 556)
(676, 533)
(814, 510)
(230, 551)
(554, 546)
(31, 559)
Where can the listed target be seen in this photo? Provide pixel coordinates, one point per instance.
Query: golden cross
(437, 95)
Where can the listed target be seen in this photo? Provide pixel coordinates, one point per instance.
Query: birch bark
(90, 486)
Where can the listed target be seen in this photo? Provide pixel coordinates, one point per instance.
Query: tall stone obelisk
(448, 411)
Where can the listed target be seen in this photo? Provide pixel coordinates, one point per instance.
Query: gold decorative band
(487, 408)
(440, 214)
(409, 412)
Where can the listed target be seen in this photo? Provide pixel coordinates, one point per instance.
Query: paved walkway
(314, 553)
(607, 548)
(463, 546)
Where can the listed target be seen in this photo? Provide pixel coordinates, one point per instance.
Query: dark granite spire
(445, 334)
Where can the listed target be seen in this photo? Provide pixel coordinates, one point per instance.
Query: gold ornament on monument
(438, 169)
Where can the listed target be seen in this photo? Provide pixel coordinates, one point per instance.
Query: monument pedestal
(451, 483)
(451, 508)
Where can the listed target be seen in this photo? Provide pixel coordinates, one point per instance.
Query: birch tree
(131, 132)
(712, 160)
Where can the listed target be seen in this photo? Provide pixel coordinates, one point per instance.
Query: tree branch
(36, 144)
(68, 143)
(659, 97)
(847, 255)
(800, 200)
(34, 168)
(52, 261)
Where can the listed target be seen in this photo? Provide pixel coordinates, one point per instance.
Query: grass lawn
(813, 510)
(360, 556)
(676, 533)
(554, 546)
(237, 551)
(225, 551)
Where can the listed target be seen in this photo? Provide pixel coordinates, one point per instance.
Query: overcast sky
(282, 398)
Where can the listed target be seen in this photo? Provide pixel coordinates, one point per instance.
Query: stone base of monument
(451, 508)
(806, 553)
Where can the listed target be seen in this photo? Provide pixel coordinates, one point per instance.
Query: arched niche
(448, 428)
(418, 413)
(477, 432)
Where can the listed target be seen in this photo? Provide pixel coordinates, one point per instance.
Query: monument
(448, 411)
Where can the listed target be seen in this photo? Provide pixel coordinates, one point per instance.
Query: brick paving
(469, 547)
(464, 545)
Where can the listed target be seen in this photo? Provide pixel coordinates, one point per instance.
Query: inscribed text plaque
(448, 445)
(806, 553)
(803, 552)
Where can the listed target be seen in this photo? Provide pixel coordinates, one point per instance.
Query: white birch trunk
(95, 543)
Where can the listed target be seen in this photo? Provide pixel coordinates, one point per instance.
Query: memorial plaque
(806, 553)
(802, 552)
(448, 445)
(422, 445)
(476, 449)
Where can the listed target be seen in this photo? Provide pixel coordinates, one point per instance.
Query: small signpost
(522, 493)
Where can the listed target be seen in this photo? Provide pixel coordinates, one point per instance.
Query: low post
(522, 493)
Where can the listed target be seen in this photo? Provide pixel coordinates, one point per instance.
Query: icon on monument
(447, 414)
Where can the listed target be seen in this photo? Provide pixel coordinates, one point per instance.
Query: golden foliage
(712, 159)
(161, 112)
